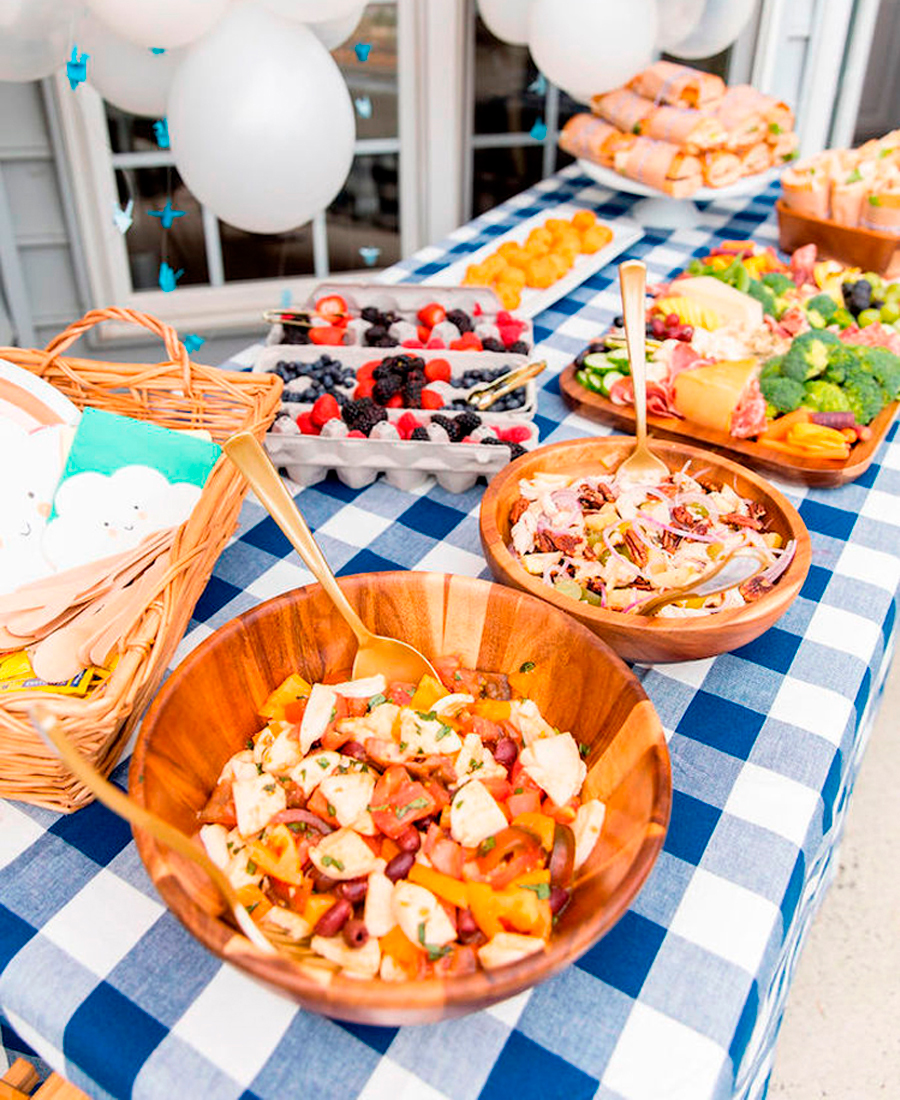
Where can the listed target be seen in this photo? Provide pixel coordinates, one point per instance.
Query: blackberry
(363, 414)
(294, 334)
(377, 337)
(371, 314)
(412, 395)
(519, 347)
(491, 343)
(461, 319)
(419, 433)
(449, 426)
(467, 423)
(385, 388)
(516, 450)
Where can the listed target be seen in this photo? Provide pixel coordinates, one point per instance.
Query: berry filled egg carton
(397, 379)
(361, 440)
(415, 316)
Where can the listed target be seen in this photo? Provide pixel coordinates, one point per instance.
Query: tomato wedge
(398, 801)
(514, 852)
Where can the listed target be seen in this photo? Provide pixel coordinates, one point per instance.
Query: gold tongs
(302, 318)
(483, 396)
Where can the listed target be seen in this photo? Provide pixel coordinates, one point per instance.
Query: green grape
(869, 317)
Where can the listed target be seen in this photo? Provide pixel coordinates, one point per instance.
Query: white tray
(354, 357)
(615, 180)
(624, 234)
(407, 464)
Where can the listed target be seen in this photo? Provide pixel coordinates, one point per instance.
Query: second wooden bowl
(634, 637)
(208, 708)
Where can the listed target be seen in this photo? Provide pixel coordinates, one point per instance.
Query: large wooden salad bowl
(207, 709)
(636, 637)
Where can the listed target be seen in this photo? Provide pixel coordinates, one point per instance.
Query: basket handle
(177, 352)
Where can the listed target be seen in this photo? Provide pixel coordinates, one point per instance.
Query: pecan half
(517, 511)
(670, 541)
(595, 585)
(592, 500)
(683, 517)
(755, 589)
(543, 544)
(565, 544)
(641, 584)
(737, 520)
(757, 509)
(636, 549)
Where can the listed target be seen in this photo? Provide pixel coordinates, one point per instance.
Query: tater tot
(493, 265)
(512, 276)
(595, 238)
(539, 273)
(556, 225)
(510, 297)
(542, 234)
(583, 220)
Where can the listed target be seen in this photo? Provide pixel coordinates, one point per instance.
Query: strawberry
(326, 408)
(306, 425)
(367, 370)
(435, 343)
(518, 434)
(364, 389)
(396, 402)
(355, 434)
(431, 399)
(406, 425)
(331, 307)
(424, 333)
(411, 344)
(467, 342)
(326, 334)
(432, 314)
(437, 370)
(477, 310)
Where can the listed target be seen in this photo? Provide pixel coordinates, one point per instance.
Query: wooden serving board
(809, 471)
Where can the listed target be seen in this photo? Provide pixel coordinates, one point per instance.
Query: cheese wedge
(731, 306)
(709, 395)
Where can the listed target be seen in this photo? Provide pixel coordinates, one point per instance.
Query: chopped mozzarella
(508, 947)
(256, 802)
(476, 760)
(524, 714)
(349, 794)
(361, 689)
(343, 855)
(288, 921)
(361, 961)
(425, 736)
(420, 915)
(215, 841)
(390, 971)
(278, 749)
(378, 723)
(474, 815)
(238, 870)
(555, 764)
(312, 769)
(586, 827)
(240, 766)
(453, 704)
(317, 715)
(378, 913)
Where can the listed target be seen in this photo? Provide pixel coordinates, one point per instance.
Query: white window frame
(220, 306)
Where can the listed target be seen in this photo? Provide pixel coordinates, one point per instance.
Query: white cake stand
(661, 211)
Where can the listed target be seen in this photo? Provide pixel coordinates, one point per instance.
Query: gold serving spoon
(641, 465)
(273, 940)
(396, 660)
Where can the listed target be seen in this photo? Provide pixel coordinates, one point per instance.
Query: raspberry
(504, 317)
(363, 414)
(438, 370)
(326, 408)
(508, 334)
(406, 425)
(306, 425)
(355, 434)
(431, 399)
(517, 434)
(467, 422)
(419, 433)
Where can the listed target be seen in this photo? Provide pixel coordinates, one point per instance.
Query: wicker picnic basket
(177, 393)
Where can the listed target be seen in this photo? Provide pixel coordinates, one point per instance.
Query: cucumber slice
(623, 366)
(596, 361)
(610, 379)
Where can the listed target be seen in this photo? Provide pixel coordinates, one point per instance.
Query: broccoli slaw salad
(614, 544)
(405, 831)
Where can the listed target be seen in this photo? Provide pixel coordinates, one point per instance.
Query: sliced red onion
(306, 817)
(565, 498)
(637, 603)
(787, 556)
(682, 532)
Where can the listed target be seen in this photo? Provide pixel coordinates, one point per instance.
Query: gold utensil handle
(287, 317)
(686, 591)
(633, 283)
(247, 453)
(485, 396)
(50, 730)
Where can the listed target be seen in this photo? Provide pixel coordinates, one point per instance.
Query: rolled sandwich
(881, 209)
(806, 188)
(784, 146)
(756, 159)
(680, 85)
(624, 109)
(724, 396)
(661, 165)
(593, 139)
(721, 168)
(695, 131)
(849, 191)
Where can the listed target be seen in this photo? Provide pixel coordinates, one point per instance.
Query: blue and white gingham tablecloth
(683, 998)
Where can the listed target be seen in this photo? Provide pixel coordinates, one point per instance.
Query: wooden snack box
(868, 249)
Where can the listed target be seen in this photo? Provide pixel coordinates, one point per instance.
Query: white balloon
(677, 19)
(128, 76)
(507, 19)
(261, 123)
(162, 23)
(719, 25)
(334, 32)
(35, 37)
(590, 46)
(313, 11)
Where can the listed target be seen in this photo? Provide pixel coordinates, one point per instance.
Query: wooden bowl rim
(399, 1002)
(784, 592)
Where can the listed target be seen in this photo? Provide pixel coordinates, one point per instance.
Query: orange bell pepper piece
(407, 955)
(444, 886)
(495, 710)
(542, 825)
(316, 907)
(521, 681)
(485, 908)
(427, 694)
(277, 855)
(254, 901)
(292, 689)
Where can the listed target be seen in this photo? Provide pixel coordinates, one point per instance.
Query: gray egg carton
(406, 464)
(355, 357)
(407, 299)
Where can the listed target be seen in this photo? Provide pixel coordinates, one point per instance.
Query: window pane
(503, 73)
(130, 134)
(366, 214)
(148, 244)
(501, 173)
(374, 80)
(265, 255)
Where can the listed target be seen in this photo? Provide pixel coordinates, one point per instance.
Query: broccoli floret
(884, 367)
(785, 394)
(763, 294)
(779, 282)
(842, 360)
(807, 356)
(866, 397)
(772, 367)
(825, 397)
(820, 310)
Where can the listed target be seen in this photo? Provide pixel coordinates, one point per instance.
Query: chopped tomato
(439, 793)
(498, 788)
(445, 854)
(514, 852)
(458, 960)
(484, 727)
(398, 801)
(528, 802)
(331, 306)
(442, 885)
(318, 804)
(219, 810)
(521, 781)
(356, 708)
(400, 693)
(254, 901)
(332, 739)
(448, 668)
(293, 712)
(565, 815)
(294, 896)
(408, 956)
(543, 827)
(427, 694)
